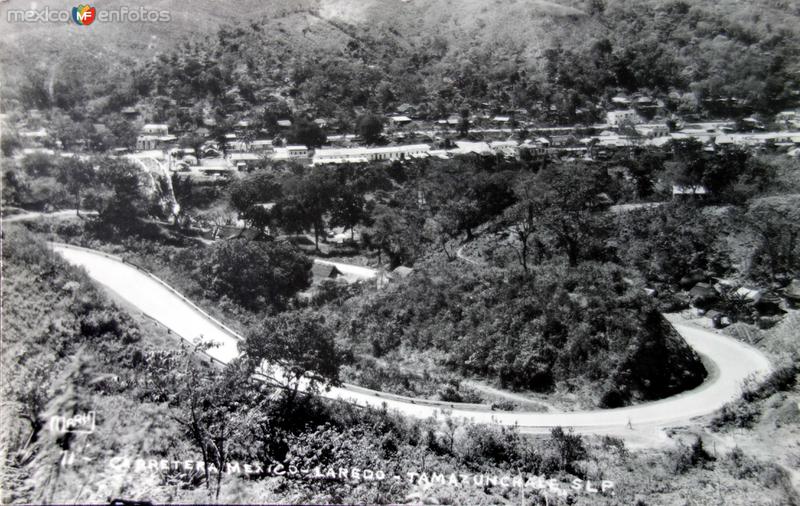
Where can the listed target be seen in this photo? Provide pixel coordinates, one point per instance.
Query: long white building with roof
(364, 155)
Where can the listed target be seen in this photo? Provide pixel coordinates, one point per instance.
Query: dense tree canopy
(255, 274)
(579, 326)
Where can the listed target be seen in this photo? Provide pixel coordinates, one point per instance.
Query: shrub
(477, 445)
(688, 457)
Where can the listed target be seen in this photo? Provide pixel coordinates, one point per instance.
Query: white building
(616, 118)
(364, 155)
(293, 152)
(152, 142)
(146, 142)
(297, 151)
(262, 145)
(467, 147)
(244, 161)
(400, 120)
(156, 129)
(620, 100)
(679, 190)
(35, 135)
(652, 131)
(508, 149)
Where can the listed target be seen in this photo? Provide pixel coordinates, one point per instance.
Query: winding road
(729, 362)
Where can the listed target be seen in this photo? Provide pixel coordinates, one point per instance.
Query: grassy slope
(41, 306)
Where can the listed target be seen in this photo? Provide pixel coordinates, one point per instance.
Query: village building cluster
(630, 122)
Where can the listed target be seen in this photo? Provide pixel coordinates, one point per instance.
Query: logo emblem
(84, 15)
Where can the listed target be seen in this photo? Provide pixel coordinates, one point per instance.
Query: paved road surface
(730, 361)
(35, 215)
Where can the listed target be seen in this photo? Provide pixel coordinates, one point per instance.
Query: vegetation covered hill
(560, 61)
(583, 329)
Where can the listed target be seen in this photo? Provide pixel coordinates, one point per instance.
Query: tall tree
(77, 177)
(463, 123)
(349, 208)
(248, 196)
(309, 197)
(398, 233)
(294, 351)
(258, 275)
(193, 141)
(216, 407)
(370, 128)
(121, 198)
(307, 133)
(776, 224)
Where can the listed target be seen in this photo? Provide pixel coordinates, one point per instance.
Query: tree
(349, 209)
(183, 188)
(628, 128)
(597, 7)
(307, 133)
(30, 391)
(220, 131)
(15, 187)
(293, 350)
(462, 213)
(76, 176)
(370, 128)
(644, 170)
(308, 199)
(124, 131)
(440, 230)
(669, 242)
(257, 275)
(569, 448)
(395, 232)
(34, 91)
(522, 218)
(463, 123)
(39, 165)
(776, 225)
(9, 142)
(120, 198)
(567, 211)
(216, 407)
(292, 215)
(248, 195)
(689, 162)
(193, 141)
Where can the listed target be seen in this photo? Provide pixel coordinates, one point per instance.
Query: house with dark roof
(703, 294)
(792, 292)
(321, 272)
(402, 272)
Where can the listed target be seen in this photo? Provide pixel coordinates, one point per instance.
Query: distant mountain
(566, 54)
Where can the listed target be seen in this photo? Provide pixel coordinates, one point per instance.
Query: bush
(738, 414)
(780, 380)
(567, 448)
(741, 466)
(477, 445)
(688, 457)
(504, 405)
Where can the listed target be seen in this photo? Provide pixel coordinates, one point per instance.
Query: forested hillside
(328, 58)
(570, 328)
